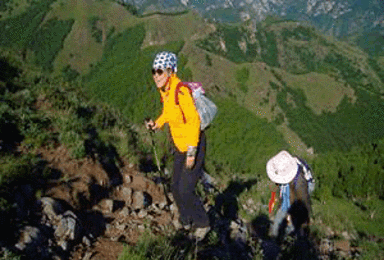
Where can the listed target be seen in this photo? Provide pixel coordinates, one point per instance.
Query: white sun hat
(282, 168)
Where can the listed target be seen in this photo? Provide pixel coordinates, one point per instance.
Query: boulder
(141, 200)
(68, 229)
(50, 209)
(127, 193)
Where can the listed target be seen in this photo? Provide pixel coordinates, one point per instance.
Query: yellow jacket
(185, 130)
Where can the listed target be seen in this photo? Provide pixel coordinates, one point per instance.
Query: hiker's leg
(279, 223)
(184, 183)
(200, 217)
(301, 207)
(176, 186)
(200, 156)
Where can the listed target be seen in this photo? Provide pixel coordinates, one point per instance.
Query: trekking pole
(154, 146)
(158, 163)
(154, 151)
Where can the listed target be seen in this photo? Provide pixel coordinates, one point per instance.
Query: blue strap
(284, 192)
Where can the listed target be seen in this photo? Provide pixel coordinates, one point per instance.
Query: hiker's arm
(160, 121)
(192, 118)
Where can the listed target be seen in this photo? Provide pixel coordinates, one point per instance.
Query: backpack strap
(177, 91)
(305, 168)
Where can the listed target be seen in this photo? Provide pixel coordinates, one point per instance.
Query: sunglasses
(158, 71)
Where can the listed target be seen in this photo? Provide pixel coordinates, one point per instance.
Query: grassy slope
(315, 75)
(81, 50)
(161, 29)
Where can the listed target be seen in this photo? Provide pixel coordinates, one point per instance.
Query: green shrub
(160, 247)
(48, 40)
(269, 52)
(69, 74)
(208, 60)
(372, 42)
(356, 173)
(96, 32)
(240, 141)
(19, 30)
(377, 68)
(3, 5)
(242, 76)
(8, 255)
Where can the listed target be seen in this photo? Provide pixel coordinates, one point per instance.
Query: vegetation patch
(323, 93)
(372, 42)
(19, 30)
(162, 29)
(123, 77)
(96, 32)
(240, 141)
(352, 124)
(231, 42)
(48, 41)
(242, 76)
(353, 174)
(9, 8)
(3, 5)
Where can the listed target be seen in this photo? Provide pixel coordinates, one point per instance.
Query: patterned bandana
(165, 60)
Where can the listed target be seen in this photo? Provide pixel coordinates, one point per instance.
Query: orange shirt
(186, 133)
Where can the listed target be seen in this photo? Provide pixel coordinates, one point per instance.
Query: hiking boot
(201, 233)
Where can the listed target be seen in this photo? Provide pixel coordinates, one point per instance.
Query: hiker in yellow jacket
(180, 113)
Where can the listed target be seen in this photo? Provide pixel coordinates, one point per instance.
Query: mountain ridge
(338, 18)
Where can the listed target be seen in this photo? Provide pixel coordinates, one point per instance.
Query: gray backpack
(307, 174)
(205, 107)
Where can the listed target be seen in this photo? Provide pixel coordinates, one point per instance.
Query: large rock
(138, 200)
(106, 206)
(33, 242)
(50, 209)
(68, 229)
(141, 200)
(29, 236)
(57, 229)
(127, 193)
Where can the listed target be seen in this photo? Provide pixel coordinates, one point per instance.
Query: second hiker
(295, 183)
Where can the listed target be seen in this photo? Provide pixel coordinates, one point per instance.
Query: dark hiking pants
(183, 187)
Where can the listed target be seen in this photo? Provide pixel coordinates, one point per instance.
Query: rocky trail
(84, 215)
(95, 205)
